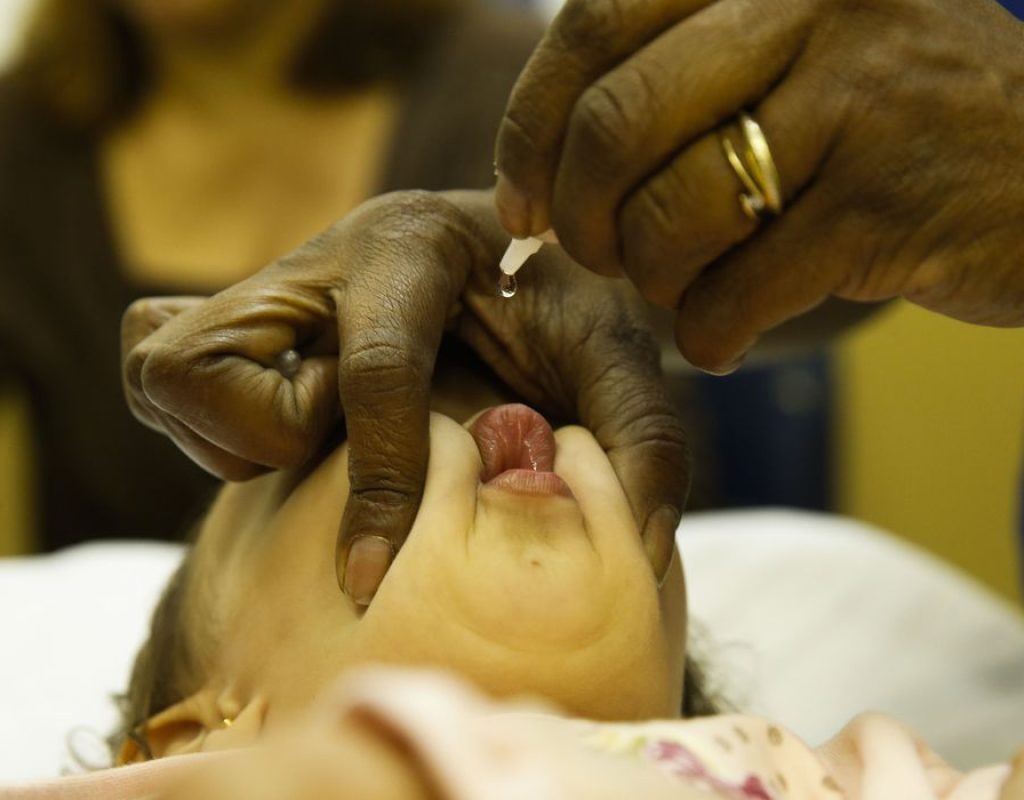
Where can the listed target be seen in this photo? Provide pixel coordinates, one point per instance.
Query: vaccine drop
(507, 285)
(515, 256)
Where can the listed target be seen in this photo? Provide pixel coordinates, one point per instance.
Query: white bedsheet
(816, 618)
(812, 619)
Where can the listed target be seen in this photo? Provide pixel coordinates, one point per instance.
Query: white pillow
(811, 619)
(814, 618)
(70, 624)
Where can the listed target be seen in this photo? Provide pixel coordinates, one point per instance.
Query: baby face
(524, 572)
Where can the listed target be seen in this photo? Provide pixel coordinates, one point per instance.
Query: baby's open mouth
(517, 446)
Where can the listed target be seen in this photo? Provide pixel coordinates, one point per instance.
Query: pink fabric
(135, 782)
(475, 748)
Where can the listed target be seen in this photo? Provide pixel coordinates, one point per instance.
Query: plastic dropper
(515, 256)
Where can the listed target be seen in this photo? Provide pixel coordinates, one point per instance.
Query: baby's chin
(591, 649)
(538, 598)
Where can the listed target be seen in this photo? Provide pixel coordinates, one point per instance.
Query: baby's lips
(513, 436)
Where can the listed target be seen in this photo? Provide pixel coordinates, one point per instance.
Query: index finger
(388, 337)
(586, 39)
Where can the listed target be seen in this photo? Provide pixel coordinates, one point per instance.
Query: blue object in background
(1015, 7)
(770, 429)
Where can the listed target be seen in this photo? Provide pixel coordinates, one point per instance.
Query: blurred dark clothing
(101, 474)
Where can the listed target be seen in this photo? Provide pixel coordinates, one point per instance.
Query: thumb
(625, 403)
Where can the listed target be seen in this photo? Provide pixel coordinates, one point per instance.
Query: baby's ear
(204, 722)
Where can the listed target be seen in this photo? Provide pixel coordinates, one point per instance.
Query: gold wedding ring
(756, 170)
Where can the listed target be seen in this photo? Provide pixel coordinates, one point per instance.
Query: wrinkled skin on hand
(366, 304)
(896, 127)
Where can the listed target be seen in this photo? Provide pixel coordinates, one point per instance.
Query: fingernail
(368, 560)
(659, 538)
(726, 369)
(513, 207)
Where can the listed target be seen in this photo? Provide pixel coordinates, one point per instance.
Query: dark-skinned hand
(365, 305)
(897, 127)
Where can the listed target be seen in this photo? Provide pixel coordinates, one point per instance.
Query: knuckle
(175, 380)
(136, 314)
(382, 363)
(148, 315)
(518, 142)
(161, 368)
(613, 117)
(640, 84)
(384, 486)
(415, 223)
(666, 449)
(600, 124)
(653, 218)
(672, 198)
(591, 25)
(384, 498)
(139, 386)
(672, 205)
(647, 427)
(390, 224)
(671, 232)
(638, 421)
(397, 215)
(139, 320)
(654, 244)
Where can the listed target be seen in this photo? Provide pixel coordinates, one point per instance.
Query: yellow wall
(16, 513)
(931, 436)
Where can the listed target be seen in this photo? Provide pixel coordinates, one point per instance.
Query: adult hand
(364, 307)
(897, 127)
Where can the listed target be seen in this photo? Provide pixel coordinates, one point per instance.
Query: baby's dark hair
(167, 669)
(170, 667)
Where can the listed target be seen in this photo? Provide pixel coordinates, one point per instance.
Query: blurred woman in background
(154, 147)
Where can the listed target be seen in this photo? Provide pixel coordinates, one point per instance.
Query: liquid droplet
(508, 285)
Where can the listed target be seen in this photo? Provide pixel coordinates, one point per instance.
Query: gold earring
(228, 722)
